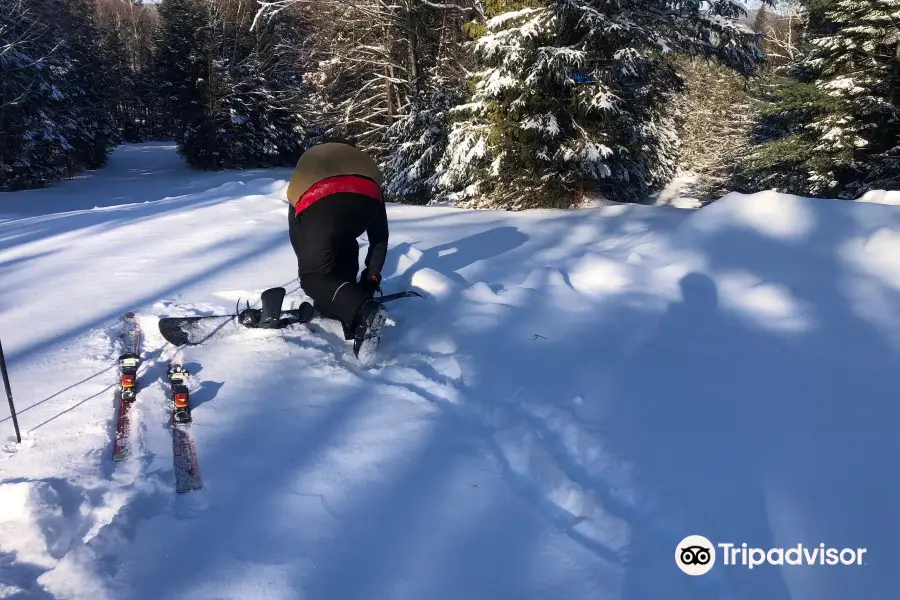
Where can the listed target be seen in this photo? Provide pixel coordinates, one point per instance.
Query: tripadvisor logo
(696, 555)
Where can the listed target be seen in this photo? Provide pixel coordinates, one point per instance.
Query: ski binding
(180, 395)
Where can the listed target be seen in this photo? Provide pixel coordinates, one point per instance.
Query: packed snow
(578, 392)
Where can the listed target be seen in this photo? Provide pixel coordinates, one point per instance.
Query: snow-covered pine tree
(858, 67)
(761, 21)
(180, 60)
(573, 96)
(832, 126)
(128, 34)
(55, 96)
(91, 86)
(237, 90)
(27, 96)
(417, 139)
(268, 101)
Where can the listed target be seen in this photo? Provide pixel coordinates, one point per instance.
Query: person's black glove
(370, 283)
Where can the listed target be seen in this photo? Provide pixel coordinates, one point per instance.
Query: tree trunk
(895, 80)
(413, 49)
(388, 84)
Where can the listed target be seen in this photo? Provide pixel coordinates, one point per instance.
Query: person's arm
(378, 242)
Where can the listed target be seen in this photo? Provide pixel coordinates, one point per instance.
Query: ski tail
(187, 468)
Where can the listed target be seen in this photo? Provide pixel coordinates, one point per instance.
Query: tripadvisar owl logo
(695, 555)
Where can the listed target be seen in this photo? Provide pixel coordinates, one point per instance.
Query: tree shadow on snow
(261, 247)
(120, 194)
(127, 179)
(448, 259)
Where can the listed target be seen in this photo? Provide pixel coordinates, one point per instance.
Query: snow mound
(267, 186)
(891, 197)
(406, 256)
(770, 306)
(599, 275)
(877, 254)
(433, 283)
(779, 216)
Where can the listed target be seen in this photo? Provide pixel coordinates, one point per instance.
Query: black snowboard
(191, 331)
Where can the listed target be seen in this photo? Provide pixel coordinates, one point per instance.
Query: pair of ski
(187, 471)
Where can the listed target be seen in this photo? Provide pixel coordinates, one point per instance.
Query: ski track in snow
(579, 391)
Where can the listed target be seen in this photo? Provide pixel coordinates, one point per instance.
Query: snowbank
(881, 197)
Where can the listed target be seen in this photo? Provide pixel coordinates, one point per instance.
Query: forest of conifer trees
(481, 103)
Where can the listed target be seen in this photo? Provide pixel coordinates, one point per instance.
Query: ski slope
(579, 391)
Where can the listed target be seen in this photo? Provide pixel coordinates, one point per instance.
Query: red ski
(187, 469)
(127, 390)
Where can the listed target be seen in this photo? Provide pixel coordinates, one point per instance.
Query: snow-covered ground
(580, 391)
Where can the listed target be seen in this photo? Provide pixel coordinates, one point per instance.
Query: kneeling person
(335, 196)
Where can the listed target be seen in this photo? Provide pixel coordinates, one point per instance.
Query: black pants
(324, 238)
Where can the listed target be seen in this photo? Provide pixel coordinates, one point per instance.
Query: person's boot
(366, 329)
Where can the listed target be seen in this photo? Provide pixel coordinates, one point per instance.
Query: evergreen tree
(129, 27)
(91, 85)
(761, 22)
(417, 139)
(573, 96)
(859, 70)
(237, 92)
(55, 92)
(180, 61)
(833, 128)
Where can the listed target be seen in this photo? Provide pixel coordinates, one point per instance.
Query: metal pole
(12, 407)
